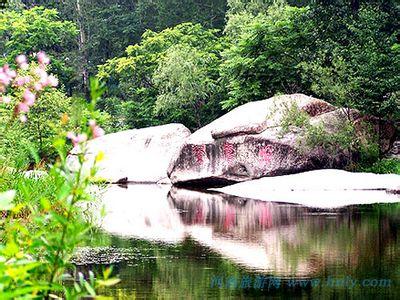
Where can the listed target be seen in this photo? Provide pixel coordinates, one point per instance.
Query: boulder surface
(137, 155)
(321, 188)
(249, 142)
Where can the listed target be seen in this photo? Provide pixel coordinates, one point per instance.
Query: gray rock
(395, 150)
(137, 155)
(321, 188)
(248, 143)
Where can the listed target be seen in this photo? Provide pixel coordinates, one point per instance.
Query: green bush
(264, 59)
(293, 116)
(384, 166)
(39, 131)
(362, 151)
(42, 218)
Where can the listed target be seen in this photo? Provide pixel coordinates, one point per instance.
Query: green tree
(106, 28)
(187, 84)
(361, 69)
(39, 29)
(265, 58)
(130, 78)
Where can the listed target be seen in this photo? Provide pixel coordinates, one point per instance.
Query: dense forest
(190, 61)
(102, 66)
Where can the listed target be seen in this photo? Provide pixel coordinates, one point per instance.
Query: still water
(188, 244)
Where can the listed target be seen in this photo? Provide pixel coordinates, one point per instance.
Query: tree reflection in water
(178, 239)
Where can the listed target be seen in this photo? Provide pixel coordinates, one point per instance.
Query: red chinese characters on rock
(230, 217)
(229, 151)
(200, 215)
(265, 216)
(199, 152)
(265, 153)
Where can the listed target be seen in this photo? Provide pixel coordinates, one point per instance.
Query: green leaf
(89, 289)
(46, 205)
(108, 282)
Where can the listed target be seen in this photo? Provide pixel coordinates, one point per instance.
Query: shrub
(293, 116)
(42, 220)
(340, 139)
(384, 166)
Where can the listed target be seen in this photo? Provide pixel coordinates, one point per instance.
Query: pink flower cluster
(95, 130)
(76, 139)
(29, 84)
(6, 77)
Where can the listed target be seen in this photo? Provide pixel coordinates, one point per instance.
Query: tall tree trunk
(355, 5)
(82, 48)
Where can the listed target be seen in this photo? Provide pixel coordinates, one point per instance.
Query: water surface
(189, 244)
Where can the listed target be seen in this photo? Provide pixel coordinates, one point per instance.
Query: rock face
(249, 143)
(395, 151)
(137, 155)
(321, 188)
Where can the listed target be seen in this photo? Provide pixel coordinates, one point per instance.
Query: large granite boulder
(249, 142)
(321, 188)
(137, 155)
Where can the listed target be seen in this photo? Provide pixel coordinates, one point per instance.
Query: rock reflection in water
(287, 240)
(140, 211)
(251, 233)
(176, 240)
(239, 218)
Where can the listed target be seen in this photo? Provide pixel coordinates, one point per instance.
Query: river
(189, 244)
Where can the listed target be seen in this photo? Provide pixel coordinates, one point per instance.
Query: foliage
(132, 77)
(186, 84)
(342, 138)
(293, 116)
(360, 69)
(384, 166)
(108, 27)
(265, 59)
(43, 223)
(336, 138)
(29, 31)
(113, 107)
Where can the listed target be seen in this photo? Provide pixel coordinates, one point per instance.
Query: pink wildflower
(19, 81)
(22, 62)
(4, 79)
(8, 72)
(23, 107)
(5, 99)
(43, 58)
(11, 73)
(76, 139)
(21, 59)
(38, 87)
(43, 76)
(24, 66)
(52, 81)
(82, 138)
(97, 131)
(29, 97)
(23, 118)
(70, 135)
